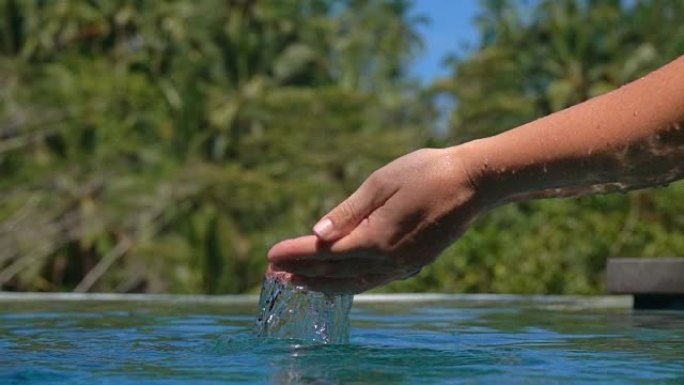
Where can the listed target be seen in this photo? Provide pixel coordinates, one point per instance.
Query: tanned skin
(406, 213)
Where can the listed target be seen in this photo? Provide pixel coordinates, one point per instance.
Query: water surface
(442, 342)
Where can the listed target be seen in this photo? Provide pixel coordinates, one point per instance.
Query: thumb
(348, 214)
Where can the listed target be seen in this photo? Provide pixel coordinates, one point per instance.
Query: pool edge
(598, 301)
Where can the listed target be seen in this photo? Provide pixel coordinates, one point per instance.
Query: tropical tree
(163, 146)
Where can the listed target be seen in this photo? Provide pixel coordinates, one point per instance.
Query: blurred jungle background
(163, 146)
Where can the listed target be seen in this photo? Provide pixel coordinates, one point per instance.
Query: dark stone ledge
(645, 275)
(656, 283)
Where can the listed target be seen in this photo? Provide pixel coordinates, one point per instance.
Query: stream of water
(287, 311)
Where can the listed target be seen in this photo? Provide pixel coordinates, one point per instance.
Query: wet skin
(406, 213)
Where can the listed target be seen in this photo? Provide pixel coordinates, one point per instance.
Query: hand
(399, 220)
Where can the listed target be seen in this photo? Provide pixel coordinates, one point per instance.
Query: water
(461, 341)
(286, 311)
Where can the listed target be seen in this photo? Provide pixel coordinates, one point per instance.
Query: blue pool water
(461, 341)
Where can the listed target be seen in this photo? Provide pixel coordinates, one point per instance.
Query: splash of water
(287, 311)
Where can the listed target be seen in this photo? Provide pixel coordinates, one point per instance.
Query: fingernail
(323, 228)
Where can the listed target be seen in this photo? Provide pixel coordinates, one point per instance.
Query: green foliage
(164, 146)
(540, 58)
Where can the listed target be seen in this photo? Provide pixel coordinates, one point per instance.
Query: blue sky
(451, 27)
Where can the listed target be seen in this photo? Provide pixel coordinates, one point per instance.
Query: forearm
(630, 138)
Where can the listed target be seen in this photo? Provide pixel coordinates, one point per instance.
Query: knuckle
(388, 243)
(378, 183)
(375, 180)
(346, 210)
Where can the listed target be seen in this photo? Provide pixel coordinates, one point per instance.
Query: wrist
(500, 172)
(487, 185)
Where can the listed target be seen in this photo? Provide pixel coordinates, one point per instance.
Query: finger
(348, 214)
(296, 248)
(348, 268)
(337, 286)
(364, 236)
(301, 249)
(310, 247)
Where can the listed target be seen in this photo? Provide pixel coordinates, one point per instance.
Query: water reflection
(387, 364)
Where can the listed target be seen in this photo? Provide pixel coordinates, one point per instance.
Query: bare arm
(405, 214)
(630, 138)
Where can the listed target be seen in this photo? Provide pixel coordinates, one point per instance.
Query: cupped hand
(399, 220)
